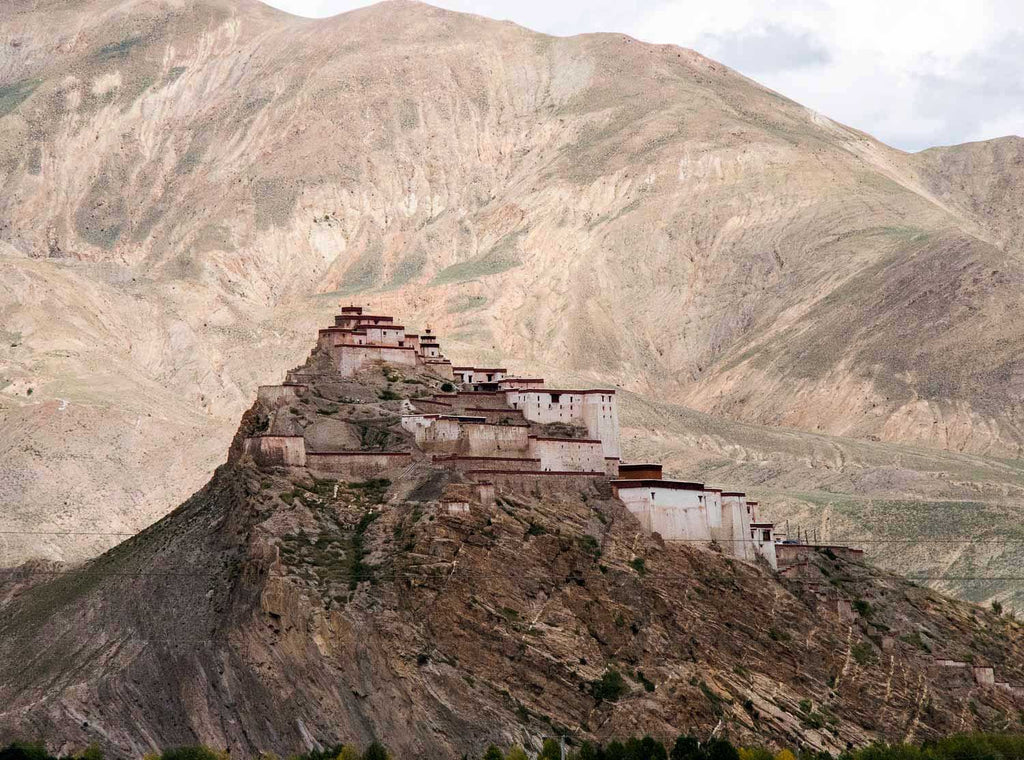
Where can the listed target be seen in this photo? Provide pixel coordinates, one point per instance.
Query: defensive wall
(543, 483)
(276, 396)
(357, 464)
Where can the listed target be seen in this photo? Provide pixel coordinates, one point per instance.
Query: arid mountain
(189, 186)
(274, 611)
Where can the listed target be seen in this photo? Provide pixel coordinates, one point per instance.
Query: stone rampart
(358, 464)
(561, 454)
(544, 483)
(466, 463)
(792, 554)
(351, 358)
(284, 450)
(276, 396)
(499, 416)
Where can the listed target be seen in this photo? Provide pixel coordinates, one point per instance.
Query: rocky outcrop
(274, 611)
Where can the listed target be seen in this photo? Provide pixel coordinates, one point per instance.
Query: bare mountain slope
(273, 611)
(188, 186)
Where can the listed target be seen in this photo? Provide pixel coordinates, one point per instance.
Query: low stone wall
(356, 464)
(350, 359)
(568, 454)
(793, 554)
(276, 396)
(498, 416)
(282, 450)
(545, 483)
(430, 406)
(441, 367)
(466, 400)
(465, 463)
(451, 436)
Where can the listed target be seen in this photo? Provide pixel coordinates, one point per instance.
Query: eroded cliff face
(190, 187)
(272, 611)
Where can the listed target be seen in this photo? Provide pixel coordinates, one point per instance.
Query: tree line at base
(955, 747)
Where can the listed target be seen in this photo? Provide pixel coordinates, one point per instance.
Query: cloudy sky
(914, 73)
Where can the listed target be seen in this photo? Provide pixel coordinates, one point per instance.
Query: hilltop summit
(411, 598)
(189, 187)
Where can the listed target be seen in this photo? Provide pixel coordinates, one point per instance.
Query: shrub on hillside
(611, 686)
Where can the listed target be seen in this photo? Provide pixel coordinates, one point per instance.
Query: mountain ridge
(190, 187)
(278, 610)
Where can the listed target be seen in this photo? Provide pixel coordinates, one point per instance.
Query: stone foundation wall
(558, 454)
(351, 359)
(357, 464)
(792, 554)
(472, 438)
(465, 463)
(283, 450)
(276, 396)
(497, 416)
(545, 483)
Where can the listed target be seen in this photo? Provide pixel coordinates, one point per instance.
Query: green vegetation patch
(13, 95)
(363, 273)
(408, 268)
(119, 49)
(610, 687)
(466, 303)
(502, 257)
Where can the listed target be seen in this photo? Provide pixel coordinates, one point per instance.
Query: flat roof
(733, 493)
(484, 459)
(678, 485)
(564, 440)
(562, 390)
(588, 473)
(375, 345)
(360, 453)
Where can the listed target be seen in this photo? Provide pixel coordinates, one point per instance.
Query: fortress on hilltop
(500, 433)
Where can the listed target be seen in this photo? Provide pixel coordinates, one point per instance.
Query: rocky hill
(273, 611)
(190, 185)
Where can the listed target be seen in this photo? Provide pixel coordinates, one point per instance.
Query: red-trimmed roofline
(562, 390)
(374, 345)
(456, 457)
(771, 525)
(588, 473)
(676, 485)
(564, 440)
(733, 493)
(360, 453)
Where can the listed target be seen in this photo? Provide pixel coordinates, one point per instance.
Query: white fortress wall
(675, 513)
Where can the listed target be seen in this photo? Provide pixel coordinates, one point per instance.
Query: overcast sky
(914, 73)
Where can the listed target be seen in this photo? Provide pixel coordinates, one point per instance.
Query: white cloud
(914, 73)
